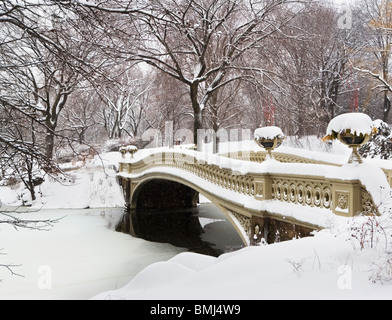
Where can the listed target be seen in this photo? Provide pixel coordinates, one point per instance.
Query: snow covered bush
(374, 232)
(370, 231)
(382, 269)
(380, 144)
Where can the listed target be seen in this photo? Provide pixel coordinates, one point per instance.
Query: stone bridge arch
(153, 190)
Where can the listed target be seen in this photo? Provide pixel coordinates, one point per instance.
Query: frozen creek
(81, 256)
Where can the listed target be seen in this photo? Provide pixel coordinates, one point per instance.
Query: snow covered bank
(92, 185)
(324, 267)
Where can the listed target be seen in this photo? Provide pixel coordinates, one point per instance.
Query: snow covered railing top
(346, 190)
(308, 157)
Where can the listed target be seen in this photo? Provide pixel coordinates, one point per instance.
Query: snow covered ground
(81, 257)
(324, 267)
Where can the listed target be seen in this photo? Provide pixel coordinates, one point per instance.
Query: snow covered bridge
(290, 196)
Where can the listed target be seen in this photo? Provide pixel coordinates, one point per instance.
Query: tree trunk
(197, 112)
(197, 124)
(49, 143)
(29, 183)
(387, 107)
(52, 114)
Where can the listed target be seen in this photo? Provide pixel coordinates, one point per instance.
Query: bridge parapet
(260, 156)
(342, 197)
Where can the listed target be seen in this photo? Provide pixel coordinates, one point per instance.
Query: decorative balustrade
(260, 157)
(345, 198)
(342, 197)
(224, 178)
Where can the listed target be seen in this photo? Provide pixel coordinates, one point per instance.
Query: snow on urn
(128, 149)
(353, 130)
(269, 138)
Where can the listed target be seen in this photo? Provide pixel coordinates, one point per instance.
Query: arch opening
(165, 194)
(168, 211)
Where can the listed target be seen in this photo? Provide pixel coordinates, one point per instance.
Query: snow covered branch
(10, 218)
(385, 84)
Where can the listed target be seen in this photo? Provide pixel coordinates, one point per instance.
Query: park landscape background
(79, 79)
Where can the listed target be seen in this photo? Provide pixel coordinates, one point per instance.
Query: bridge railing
(343, 197)
(308, 184)
(260, 157)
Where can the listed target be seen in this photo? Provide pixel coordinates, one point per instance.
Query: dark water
(204, 229)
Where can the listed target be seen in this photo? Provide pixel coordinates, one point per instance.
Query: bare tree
(376, 38)
(311, 69)
(80, 115)
(225, 108)
(47, 53)
(44, 57)
(168, 101)
(123, 103)
(198, 43)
